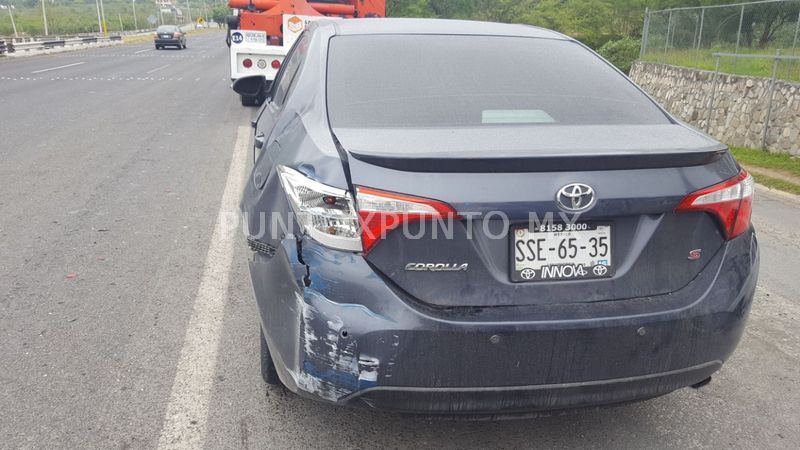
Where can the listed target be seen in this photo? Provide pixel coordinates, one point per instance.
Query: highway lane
(114, 183)
(111, 181)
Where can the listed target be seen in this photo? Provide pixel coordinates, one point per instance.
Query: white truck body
(252, 44)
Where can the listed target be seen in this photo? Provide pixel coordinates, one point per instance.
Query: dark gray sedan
(169, 36)
(464, 217)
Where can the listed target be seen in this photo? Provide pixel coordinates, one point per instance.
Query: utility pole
(44, 19)
(103, 14)
(119, 16)
(13, 24)
(135, 22)
(99, 20)
(189, 11)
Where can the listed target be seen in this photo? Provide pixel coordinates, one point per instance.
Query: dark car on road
(169, 36)
(464, 217)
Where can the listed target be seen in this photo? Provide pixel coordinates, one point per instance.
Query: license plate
(166, 36)
(562, 251)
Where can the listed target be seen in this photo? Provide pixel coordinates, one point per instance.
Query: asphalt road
(126, 316)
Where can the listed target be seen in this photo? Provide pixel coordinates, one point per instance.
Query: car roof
(438, 26)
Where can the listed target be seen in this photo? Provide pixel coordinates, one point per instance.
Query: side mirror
(254, 86)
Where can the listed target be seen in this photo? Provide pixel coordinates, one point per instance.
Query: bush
(622, 52)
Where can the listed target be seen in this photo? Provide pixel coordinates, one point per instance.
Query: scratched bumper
(339, 332)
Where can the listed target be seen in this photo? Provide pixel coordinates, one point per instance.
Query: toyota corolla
(465, 217)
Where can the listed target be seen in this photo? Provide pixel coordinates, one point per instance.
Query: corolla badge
(575, 197)
(436, 267)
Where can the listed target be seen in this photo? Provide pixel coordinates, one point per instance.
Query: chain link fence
(690, 36)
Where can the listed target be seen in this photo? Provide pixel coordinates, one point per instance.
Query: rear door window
(292, 65)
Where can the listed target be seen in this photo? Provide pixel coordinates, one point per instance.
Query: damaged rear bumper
(339, 332)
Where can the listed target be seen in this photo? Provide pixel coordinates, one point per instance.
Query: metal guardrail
(777, 57)
(13, 45)
(23, 45)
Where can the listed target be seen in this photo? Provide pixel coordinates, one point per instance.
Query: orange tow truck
(262, 32)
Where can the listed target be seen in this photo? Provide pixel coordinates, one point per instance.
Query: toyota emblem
(575, 197)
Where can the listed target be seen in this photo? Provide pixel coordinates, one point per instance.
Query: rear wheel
(158, 47)
(268, 371)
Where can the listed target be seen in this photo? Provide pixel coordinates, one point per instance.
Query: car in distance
(169, 36)
(463, 217)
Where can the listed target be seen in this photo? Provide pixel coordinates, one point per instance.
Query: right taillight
(731, 202)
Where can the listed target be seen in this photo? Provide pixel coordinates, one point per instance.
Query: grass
(777, 183)
(775, 161)
(703, 59)
(776, 164)
(138, 38)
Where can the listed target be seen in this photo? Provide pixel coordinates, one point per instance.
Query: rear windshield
(389, 81)
(167, 29)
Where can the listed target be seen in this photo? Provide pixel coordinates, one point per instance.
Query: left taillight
(334, 218)
(325, 213)
(731, 202)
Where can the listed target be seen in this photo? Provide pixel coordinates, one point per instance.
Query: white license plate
(562, 251)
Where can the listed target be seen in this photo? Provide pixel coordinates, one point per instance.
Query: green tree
(590, 21)
(409, 8)
(621, 53)
(219, 12)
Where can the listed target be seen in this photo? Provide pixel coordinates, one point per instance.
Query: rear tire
(248, 100)
(253, 100)
(158, 47)
(268, 371)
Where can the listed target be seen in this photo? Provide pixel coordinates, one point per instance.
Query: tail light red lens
(380, 212)
(332, 217)
(731, 202)
(276, 64)
(247, 63)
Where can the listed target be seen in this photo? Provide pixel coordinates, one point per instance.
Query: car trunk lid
(506, 178)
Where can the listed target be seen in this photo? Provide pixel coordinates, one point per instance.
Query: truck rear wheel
(249, 100)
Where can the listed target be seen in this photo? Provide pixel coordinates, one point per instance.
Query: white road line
(158, 68)
(184, 425)
(59, 67)
(145, 50)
